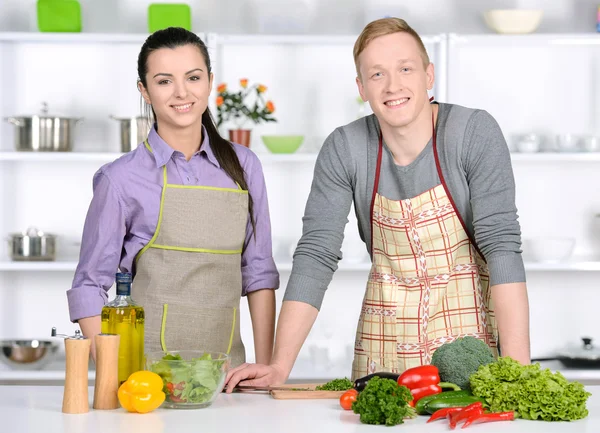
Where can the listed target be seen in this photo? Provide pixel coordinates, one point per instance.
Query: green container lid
(59, 16)
(163, 15)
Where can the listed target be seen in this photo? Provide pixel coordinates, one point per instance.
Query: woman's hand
(255, 375)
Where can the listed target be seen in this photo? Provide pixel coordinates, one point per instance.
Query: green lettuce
(193, 381)
(529, 391)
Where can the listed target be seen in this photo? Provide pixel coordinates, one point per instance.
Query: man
(434, 194)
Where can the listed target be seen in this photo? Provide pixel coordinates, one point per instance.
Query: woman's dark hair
(174, 37)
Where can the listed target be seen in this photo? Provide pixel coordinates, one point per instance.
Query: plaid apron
(428, 284)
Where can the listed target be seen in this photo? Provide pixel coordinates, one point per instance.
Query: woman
(186, 212)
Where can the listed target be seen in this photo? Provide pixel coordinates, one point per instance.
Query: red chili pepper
(470, 410)
(423, 381)
(488, 417)
(443, 413)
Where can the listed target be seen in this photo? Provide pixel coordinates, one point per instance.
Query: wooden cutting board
(293, 393)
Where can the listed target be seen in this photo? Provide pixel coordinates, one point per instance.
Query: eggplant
(359, 384)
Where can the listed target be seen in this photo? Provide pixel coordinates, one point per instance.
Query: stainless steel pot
(44, 133)
(134, 130)
(32, 245)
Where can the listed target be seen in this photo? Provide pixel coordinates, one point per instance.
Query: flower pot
(240, 136)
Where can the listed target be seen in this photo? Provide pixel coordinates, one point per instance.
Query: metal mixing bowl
(27, 354)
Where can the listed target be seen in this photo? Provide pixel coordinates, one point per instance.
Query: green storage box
(163, 15)
(59, 16)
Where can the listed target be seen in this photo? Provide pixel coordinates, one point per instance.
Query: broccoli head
(459, 359)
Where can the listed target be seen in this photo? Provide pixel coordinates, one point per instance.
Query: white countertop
(38, 409)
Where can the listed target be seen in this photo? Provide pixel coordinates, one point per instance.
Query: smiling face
(178, 85)
(394, 80)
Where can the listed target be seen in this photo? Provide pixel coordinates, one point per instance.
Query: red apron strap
(376, 184)
(441, 176)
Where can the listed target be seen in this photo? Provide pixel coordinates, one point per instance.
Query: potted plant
(246, 105)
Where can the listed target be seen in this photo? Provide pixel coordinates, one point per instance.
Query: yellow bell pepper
(142, 392)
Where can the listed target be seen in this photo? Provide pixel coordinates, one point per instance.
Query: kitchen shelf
(55, 266)
(555, 157)
(59, 156)
(37, 37)
(70, 266)
(223, 39)
(270, 157)
(492, 39)
(108, 157)
(300, 39)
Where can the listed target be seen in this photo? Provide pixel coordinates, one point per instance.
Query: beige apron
(188, 278)
(428, 284)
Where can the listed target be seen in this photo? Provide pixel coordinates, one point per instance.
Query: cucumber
(463, 401)
(446, 395)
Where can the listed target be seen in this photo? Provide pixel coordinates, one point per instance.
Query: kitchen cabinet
(311, 80)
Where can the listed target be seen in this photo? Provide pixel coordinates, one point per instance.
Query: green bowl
(282, 143)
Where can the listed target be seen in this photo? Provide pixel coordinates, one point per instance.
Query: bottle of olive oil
(124, 317)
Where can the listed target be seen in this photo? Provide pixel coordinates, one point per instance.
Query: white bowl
(513, 21)
(550, 249)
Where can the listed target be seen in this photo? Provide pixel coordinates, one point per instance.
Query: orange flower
(270, 106)
(222, 87)
(219, 101)
(244, 82)
(261, 88)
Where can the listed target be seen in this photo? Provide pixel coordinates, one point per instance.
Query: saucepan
(133, 130)
(32, 245)
(584, 355)
(44, 132)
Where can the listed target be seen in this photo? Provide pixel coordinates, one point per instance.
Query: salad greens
(193, 381)
(529, 391)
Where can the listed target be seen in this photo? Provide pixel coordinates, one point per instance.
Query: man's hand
(255, 375)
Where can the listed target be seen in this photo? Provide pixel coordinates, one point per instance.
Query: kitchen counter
(26, 409)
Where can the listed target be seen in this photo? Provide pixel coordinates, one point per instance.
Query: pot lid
(32, 232)
(585, 350)
(43, 114)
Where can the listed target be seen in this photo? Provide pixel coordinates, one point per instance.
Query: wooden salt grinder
(107, 372)
(77, 351)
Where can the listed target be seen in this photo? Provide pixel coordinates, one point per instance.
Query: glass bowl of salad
(192, 379)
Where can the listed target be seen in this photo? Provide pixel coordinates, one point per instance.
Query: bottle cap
(123, 277)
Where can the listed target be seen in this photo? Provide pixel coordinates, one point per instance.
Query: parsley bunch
(383, 401)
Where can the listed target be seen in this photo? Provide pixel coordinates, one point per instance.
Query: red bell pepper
(423, 381)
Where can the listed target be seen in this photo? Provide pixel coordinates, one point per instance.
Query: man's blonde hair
(382, 27)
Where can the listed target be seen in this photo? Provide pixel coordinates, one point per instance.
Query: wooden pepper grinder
(107, 372)
(77, 351)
